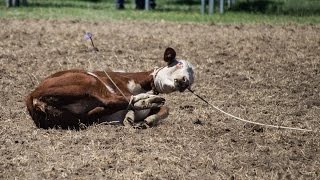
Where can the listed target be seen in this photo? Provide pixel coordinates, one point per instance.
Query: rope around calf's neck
(154, 76)
(247, 121)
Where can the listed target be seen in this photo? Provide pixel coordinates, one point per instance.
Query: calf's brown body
(70, 98)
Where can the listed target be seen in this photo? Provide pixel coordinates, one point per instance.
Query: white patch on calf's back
(135, 88)
(110, 89)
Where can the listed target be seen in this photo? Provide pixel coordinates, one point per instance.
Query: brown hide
(68, 98)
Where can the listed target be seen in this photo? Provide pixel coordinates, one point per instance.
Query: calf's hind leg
(156, 115)
(153, 118)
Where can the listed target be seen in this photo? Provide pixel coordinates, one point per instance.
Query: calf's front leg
(147, 101)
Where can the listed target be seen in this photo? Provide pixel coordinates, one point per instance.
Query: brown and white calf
(69, 98)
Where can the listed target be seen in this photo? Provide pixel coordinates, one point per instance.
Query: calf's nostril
(184, 79)
(182, 82)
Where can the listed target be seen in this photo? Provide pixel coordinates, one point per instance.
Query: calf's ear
(169, 55)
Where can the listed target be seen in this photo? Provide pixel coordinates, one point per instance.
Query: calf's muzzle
(182, 84)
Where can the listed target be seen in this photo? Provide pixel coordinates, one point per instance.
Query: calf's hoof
(147, 101)
(141, 125)
(129, 118)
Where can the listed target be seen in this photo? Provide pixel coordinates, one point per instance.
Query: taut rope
(247, 121)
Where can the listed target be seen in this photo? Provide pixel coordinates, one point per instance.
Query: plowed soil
(264, 73)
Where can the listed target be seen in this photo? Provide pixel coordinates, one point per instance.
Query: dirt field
(265, 73)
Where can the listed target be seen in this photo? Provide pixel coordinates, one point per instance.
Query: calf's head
(178, 75)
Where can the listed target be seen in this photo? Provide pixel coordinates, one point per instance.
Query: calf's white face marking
(177, 76)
